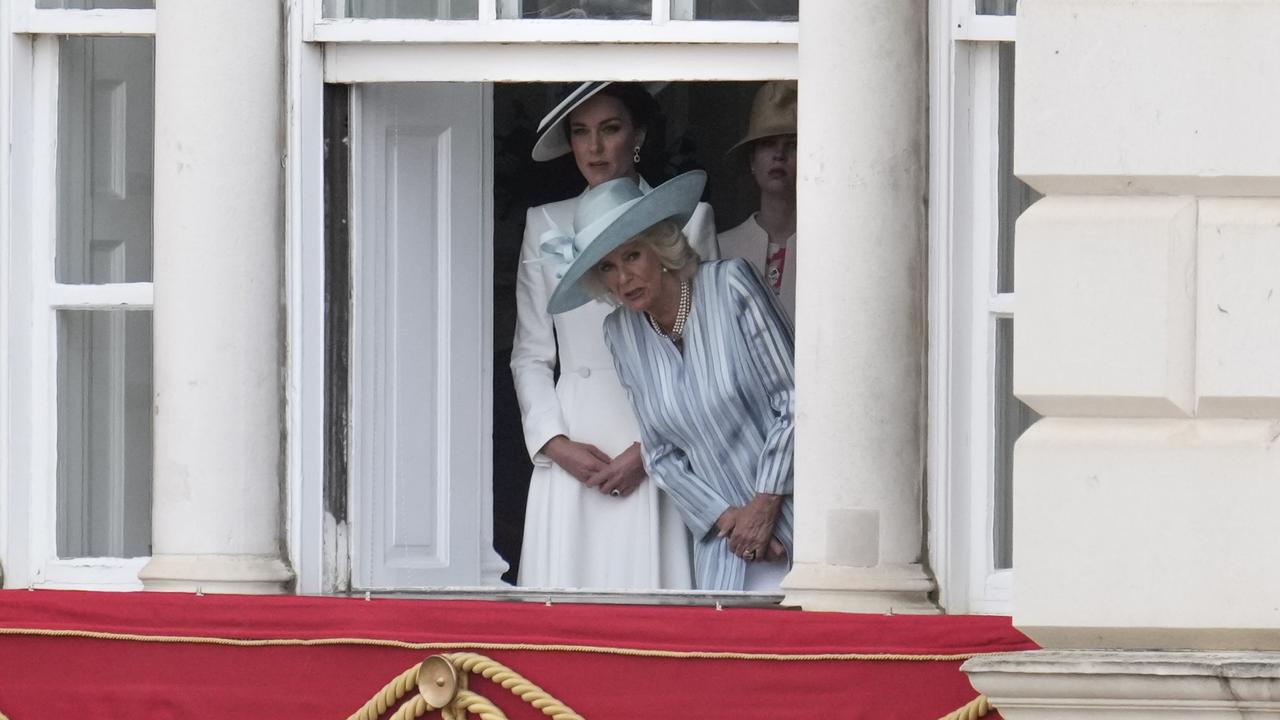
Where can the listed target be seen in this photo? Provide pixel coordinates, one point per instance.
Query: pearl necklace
(682, 313)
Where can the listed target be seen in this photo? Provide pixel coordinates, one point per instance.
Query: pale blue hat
(607, 216)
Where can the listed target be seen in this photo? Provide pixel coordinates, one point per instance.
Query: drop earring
(636, 158)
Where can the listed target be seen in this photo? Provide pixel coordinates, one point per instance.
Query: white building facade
(249, 253)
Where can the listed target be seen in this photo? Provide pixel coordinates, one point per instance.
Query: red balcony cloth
(167, 655)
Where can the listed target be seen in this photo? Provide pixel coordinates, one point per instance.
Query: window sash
(487, 11)
(966, 305)
(365, 30)
(28, 212)
(489, 27)
(28, 20)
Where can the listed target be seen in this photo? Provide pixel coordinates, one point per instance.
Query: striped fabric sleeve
(699, 503)
(767, 330)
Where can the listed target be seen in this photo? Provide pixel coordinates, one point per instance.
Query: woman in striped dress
(705, 354)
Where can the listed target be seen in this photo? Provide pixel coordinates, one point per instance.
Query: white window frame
(29, 39)
(341, 50)
(964, 305)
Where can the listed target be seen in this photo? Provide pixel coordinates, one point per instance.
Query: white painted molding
(557, 62)
(86, 22)
(985, 28)
(304, 279)
(7, 224)
(362, 30)
(132, 296)
(943, 558)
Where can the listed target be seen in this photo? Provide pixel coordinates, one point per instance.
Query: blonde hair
(668, 241)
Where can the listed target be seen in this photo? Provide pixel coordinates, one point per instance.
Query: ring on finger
(749, 555)
(615, 492)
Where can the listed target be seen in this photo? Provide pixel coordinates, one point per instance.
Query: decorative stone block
(1238, 309)
(1105, 320)
(1154, 97)
(1148, 534)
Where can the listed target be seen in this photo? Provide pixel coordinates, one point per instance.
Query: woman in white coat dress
(592, 520)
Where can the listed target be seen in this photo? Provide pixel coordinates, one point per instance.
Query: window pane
(779, 10)
(104, 433)
(1015, 195)
(405, 9)
(576, 9)
(997, 7)
(1012, 417)
(94, 4)
(106, 132)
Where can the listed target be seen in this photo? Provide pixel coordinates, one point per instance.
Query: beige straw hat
(773, 112)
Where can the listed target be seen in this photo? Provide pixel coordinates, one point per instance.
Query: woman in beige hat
(592, 519)
(768, 238)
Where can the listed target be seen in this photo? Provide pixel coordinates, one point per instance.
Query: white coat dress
(575, 536)
(751, 242)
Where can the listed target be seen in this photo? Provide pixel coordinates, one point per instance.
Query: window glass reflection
(95, 4)
(1015, 196)
(577, 9)
(104, 433)
(1012, 418)
(403, 9)
(776, 10)
(106, 132)
(997, 7)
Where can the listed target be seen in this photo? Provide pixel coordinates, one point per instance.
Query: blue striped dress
(717, 423)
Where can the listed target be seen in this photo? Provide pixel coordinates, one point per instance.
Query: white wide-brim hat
(609, 215)
(552, 139)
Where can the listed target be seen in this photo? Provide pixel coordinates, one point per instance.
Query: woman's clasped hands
(594, 468)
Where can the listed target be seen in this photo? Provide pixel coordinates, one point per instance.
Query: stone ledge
(1044, 684)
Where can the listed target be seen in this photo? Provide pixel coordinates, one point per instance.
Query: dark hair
(639, 103)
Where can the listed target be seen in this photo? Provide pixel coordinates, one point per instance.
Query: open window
(428, 116)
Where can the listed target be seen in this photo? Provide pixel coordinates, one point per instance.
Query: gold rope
(402, 644)
(974, 709)
(469, 702)
(464, 701)
(415, 708)
(388, 696)
(500, 674)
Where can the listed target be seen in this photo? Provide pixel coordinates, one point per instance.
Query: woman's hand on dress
(726, 521)
(581, 460)
(623, 474)
(753, 530)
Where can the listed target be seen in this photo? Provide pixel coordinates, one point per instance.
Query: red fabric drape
(46, 676)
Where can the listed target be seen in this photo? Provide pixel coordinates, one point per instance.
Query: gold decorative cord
(458, 702)
(974, 709)
(527, 647)
(469, 702)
